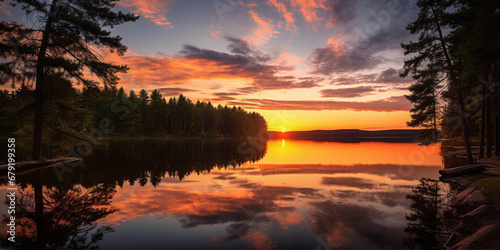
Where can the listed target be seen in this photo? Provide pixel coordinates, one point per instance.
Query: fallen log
(26, 166)
(451, 241)
(478, 212)
(467, 169)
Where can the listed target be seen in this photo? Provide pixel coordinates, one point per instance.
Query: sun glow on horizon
(303, 120)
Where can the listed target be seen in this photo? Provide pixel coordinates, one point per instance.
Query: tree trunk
(483, 125)
(39, 92)
(496, 114)
(434, 114)
(456, 86)
(497, 130)
(202, 125)
(488, 128)
(39, 218)
(171, 124)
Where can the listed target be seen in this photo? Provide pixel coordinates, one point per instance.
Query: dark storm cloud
(348, 92)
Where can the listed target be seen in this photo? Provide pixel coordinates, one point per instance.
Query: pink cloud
(309, 9)
(195, 64)
(263, 32)
(153, 10)
(287, 14)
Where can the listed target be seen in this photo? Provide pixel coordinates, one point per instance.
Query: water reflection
(427, 221)
(339, 153)
(60, 217)
(198, 194)
(139, 160)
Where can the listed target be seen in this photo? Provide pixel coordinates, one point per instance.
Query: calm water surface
(197, 194)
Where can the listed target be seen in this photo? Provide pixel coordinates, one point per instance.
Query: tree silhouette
(424, 95)
(476, 24)
(60, 45)
(69, 218)
(113, 112)
(432, 49)
(426, 217)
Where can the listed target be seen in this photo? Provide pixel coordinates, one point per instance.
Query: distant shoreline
(354, 135)
(339, 135)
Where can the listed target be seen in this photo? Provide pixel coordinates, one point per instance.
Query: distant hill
(349, 135)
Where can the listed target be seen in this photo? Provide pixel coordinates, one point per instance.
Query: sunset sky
(303, 64)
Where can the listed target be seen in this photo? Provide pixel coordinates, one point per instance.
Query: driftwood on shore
(467, 169)
(22, 167)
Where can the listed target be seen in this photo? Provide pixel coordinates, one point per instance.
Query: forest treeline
(69, 112)
(455, 67)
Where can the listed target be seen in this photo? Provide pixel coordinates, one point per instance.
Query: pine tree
(424, 96)
(476, 25)
(60, 44)
(433, 48)
(146, 119)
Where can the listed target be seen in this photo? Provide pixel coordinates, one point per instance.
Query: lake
(228, 194)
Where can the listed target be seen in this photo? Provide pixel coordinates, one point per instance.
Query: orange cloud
(263, 32)
(244, 64)
(309, 8)
(259, 240)
(285, 58)
(154, 10)
(287, 14)
(206, 205)
(156, 71)
(336, 44)
(395, 103)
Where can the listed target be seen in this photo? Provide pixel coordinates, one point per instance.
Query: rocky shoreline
(476, 208)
